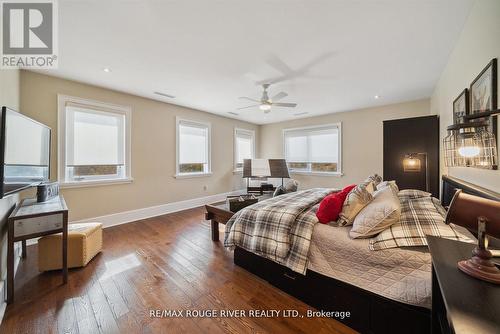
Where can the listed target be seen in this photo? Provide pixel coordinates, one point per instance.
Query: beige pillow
(379, 214)
(391, 184)
(355, 201)
(375, 178)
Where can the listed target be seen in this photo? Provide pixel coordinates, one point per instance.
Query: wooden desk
(29, 220)
(460, 303)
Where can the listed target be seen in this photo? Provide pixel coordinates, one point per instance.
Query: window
(193, 148)
(94, 142)
(314, 150)
(244, 147)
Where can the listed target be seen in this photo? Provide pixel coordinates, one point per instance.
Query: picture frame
(461, 106)
(483, 94)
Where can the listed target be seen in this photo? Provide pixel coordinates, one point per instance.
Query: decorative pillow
(355, 201)
(419, 217)
(280, 190)
(379, 214)
(412, 194)
(375, 178)
(391, 184)
(331, 205)
(291, 186)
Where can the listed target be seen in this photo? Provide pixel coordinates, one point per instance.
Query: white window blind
(193, 147)
(314, 149)
(94, 142)
(193, 143)
(244, 146)
(94, 137)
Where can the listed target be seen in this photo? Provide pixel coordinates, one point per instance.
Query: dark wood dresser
(460, 304)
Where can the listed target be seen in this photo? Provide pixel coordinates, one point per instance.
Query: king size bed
(385, 290)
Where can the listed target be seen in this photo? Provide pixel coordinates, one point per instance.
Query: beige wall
(361, 140)
(153, 149)
(476, 46)
(9, 96)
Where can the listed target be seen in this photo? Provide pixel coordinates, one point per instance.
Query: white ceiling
(329, 56)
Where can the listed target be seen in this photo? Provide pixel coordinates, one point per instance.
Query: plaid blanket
(279, 228)
(419, 217)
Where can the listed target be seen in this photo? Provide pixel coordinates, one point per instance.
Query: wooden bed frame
(370, 313)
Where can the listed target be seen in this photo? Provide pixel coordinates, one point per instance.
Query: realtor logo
(29, 37)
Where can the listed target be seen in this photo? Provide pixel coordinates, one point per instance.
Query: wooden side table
(29, 220)
(460, 303)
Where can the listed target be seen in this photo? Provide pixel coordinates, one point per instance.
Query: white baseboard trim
(124, 217)
(3, 282)
(153, 211)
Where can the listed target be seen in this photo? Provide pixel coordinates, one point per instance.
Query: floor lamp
(413, 164)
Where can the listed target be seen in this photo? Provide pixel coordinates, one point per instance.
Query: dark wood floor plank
(85, 315)
(102, 311)
(165, 262)
(66, 317)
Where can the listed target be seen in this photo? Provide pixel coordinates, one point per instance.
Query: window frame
(62, 101)
(339, 172)
(208, 172)
(235, 147)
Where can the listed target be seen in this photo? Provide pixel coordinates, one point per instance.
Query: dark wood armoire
(417, 136)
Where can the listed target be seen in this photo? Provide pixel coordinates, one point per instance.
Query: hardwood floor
(166, 262)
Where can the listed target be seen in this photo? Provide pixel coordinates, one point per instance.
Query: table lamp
(481, 215)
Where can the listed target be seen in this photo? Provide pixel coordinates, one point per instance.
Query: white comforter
(401, 274)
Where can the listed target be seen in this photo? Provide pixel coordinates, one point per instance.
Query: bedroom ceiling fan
(266, 103)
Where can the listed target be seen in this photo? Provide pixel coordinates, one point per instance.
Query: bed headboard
(451, 185)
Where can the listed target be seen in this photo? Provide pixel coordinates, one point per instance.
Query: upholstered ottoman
(84, 242)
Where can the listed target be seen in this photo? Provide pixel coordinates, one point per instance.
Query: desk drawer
(37, 224)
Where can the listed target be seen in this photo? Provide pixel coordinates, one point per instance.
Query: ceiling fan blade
(248, 98)
(279, 96)
(279, 65)
(253, 106)
(289, 105)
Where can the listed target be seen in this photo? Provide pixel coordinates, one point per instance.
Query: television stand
(31, 219)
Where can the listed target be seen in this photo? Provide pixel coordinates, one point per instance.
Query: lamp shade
(411, 163)
(256, 168)
(261, 168)
(279, 168)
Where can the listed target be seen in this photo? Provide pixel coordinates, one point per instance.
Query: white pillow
(379, 214)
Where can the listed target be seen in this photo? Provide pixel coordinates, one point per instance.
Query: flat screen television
(24, 152)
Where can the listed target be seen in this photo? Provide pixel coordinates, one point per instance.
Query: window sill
(334, 174)
(192, 175)
(94, 183)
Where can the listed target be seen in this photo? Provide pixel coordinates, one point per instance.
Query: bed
(346, 276)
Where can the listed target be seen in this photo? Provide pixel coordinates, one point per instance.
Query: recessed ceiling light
(106, 69)
(165, 95)
(377, 97)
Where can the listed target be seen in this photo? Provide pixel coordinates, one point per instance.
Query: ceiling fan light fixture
(265, 107)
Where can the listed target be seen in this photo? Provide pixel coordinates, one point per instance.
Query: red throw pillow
(331, 206)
